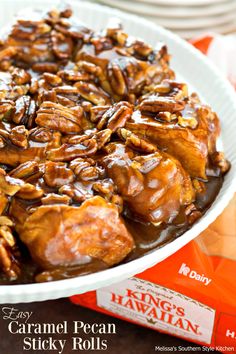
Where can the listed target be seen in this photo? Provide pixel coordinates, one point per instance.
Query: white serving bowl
(195, 69)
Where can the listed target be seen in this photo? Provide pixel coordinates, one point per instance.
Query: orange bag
(191, 294)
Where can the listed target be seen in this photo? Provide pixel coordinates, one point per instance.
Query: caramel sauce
(147, 239)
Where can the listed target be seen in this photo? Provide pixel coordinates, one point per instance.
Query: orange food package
(191, 294)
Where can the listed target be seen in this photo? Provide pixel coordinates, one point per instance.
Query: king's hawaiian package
(190, 295)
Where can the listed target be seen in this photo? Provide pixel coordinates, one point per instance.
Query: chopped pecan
(6, 234)
(73, 29)
(192, 213)
(8, 185)
(219, 160)
(145, 164)
(102, 137)
(88, 67)
(92, 93)
(66, 90)
(27, 29)
(3, 201)
(6, 108)
(74, 75)
(140, 49)
(52, 79)
(29, 191)
(34, 85)
(76, 192)
(19, 136)
(5, 221)
(57, 174)
(45, 67)
(105, 187)
(136, 143)
(167, 116)
(52, 198)
(7, 53)
(32, 42)
(86, 106)
(199, 186)
(187, 122)
(97, 112)
(25, 111)
(57, 117)
(21, 76)
(115, 31)
(8, 251)
(118, 201)
(2, 142)
(62, 45)
(174, 89)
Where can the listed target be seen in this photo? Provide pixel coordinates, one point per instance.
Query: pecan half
(116, 116)
(52, 198)
(97, 112)
(155, 104)
(57, 174)
(42, 135)
(116, 78)
(91, 93)
(25, 170)
(68, 152)
(57, 117)
(85, 169)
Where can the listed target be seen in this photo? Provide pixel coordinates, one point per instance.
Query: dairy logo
(192, 274)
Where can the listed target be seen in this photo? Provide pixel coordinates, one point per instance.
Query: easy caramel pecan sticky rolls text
(102, 152)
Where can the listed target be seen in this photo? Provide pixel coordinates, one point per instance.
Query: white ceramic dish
(186, 2)
(215, 90)
(142, 7)
(228, 28)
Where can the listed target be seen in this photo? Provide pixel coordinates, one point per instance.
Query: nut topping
(57, 174)
(57, 117)
(155, 104)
